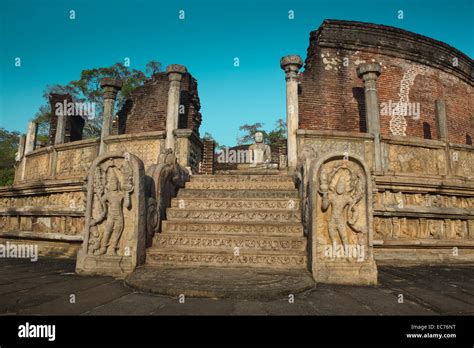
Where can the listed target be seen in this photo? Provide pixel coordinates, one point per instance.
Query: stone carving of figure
(261, 153)
(343, 205)
(111, 203)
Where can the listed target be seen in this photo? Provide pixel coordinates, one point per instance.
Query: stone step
(234, 228)
(241, 177)
(242, 184)
(234, 215)
(184, 258)
(249, 284)
(233, 203)
(230, 243)
(250, 171)
(236, 194)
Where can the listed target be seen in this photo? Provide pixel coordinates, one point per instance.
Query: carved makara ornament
(163, 181)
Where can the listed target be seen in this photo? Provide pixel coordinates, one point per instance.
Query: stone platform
(44, 288)
(229, 283)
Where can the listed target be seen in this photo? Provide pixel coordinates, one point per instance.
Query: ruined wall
(424, 190)
(145, 110)
(74, 123)
(414, 69)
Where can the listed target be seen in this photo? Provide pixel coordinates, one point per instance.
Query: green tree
(87, 89)
(271, 138)
(278, 133)
(8, 149)
(249, 131)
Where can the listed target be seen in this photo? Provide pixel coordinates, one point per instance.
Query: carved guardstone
(114, 233)
(341, 221)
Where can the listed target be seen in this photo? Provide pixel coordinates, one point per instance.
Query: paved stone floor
(45, 287)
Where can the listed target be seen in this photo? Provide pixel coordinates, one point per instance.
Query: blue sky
(54, 49)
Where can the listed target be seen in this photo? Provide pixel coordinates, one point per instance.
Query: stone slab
(210, 258)
(228, 243)
(220, 283)
(233, 215)
(430, 284)
(238, 194)
(236, 203)
(220, 228)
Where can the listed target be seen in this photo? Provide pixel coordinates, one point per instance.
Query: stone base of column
(353, 273)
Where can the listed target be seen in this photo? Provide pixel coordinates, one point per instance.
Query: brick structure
(414, 69)
(145, 109)
(207, 164)
(74, 124)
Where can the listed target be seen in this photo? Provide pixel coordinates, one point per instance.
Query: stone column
(111, 87)
(30, 142)
(369, 72)
(21, 148)
(175, 75)
(440, 111)
(60, 129)
(291, 65)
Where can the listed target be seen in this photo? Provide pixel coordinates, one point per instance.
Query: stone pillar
(291, 65)
(60, 129)
(440, 111)
(369, 72)
(175, 75)
(111, 87)
(183, 147)
(21, 148)
(30, 142)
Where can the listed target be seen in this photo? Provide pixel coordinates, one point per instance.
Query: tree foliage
(87, 90)
(249, 131)
(271, 138)
(8, 149)
(278, 133)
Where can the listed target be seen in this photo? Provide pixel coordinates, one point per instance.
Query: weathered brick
(145, 109)
(331, 95)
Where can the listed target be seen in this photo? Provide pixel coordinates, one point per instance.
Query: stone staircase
(233, 221)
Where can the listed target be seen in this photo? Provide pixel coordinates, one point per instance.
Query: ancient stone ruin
(114, 232)
(377, 168)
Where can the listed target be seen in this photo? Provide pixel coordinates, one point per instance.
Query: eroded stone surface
(114, 238)
(44, 288)
(220, 283)
(341, 220)
(240, 220)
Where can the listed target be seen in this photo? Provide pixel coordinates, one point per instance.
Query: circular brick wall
(416, 71)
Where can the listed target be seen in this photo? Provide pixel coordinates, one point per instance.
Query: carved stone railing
(401, 156)
(162, 182)
(61, 161)
(424, 195)
(412, 156)
(146, 145)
